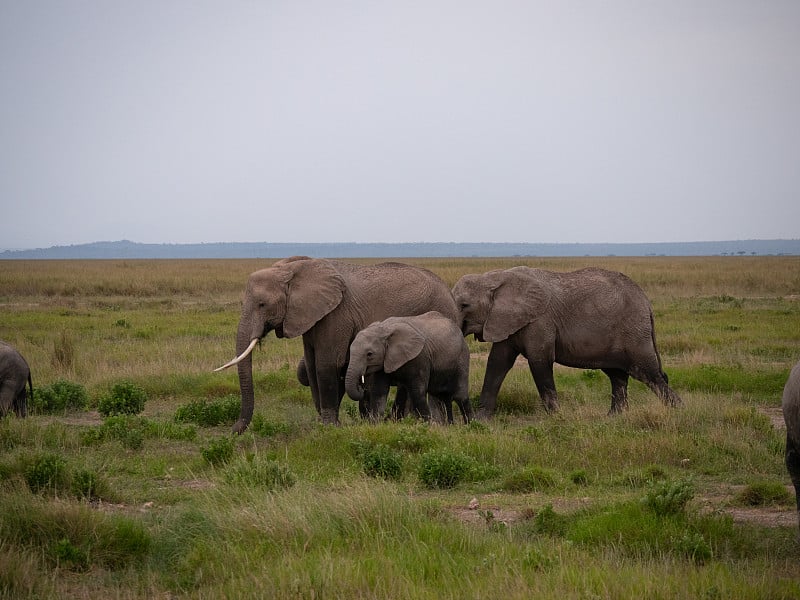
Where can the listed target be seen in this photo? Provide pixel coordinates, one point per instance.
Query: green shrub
(86, 484)
(47, 472)
(693, 546)
(209, 413)
(549, 522)
(218, 451)
(59, 396)
(382, 461)
(267, 428)
(444, 469)
(257, 470)
(530, 479)
(68, 556)
(764, 493)
(668, 498)
(125, 398)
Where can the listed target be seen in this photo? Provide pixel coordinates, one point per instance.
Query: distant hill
(132, 250)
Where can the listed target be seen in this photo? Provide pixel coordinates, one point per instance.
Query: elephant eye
(464, 306)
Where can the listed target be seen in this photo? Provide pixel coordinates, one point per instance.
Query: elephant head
(289, 298)
(384, 346)
(496, 304)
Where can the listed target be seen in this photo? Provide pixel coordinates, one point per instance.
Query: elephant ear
(517, 299)
(403, 344)
(315, 289)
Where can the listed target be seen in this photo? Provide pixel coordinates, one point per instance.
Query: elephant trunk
(245, 369)
(354, 380)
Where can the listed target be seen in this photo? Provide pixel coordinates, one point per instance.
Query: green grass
(571, 505)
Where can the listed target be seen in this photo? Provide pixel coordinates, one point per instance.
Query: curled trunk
(354, 381)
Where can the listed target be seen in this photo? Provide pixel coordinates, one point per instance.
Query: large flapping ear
(517, 299)
(315, 289)
(403, 343)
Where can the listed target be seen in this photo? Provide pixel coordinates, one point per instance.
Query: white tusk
(362, 380)
(239, 358)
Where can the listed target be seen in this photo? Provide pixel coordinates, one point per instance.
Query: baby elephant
(14, 374)
(422, 355)
(791, 414)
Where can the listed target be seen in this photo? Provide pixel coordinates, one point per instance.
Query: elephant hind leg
(793, 466)
(542, 372)
(658, 382)
(619, 390)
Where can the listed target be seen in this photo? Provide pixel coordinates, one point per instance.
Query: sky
(188, 121)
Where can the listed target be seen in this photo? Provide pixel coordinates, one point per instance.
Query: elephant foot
(483, 415)
(551, 406)
(240, 426)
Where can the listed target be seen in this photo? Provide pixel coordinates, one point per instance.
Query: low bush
(124, 398)
(668, 498)
(218, 451)
(382, 461)
(263, 426)
(59, 396)
(530, 479)
(209, 413)
(444, 469)
(764, 493)
(47, 472)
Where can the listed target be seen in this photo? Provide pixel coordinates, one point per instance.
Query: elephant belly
(591, 353)
(443, 383)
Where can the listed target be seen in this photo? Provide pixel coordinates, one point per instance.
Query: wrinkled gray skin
(370, 406)
(589, 319)
(424, 354)
(14, 375)
(328, 302)
(791, 415)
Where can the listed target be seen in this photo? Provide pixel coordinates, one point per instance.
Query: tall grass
(134, 509)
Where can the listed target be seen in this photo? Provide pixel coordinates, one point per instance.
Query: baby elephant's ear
(403, 344)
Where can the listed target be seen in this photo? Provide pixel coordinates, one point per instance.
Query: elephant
(14, 375)
(368, 408)
(790, 404)
(424, 354)
(590, 318)
(327, 302)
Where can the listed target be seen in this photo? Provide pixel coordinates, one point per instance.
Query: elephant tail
(655, 346)
(30, 384)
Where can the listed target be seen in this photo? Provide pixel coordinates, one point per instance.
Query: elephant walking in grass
(589, 319)
(791, 415)
(424, 355)
(327, 302)
(14, 376)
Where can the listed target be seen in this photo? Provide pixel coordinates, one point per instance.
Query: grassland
(657, 503)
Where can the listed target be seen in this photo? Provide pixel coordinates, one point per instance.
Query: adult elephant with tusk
(327, 302)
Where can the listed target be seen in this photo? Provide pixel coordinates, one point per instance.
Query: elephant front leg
(501, 359)
(542, 372)
(330, 394)
(419, 400)
(619, 390)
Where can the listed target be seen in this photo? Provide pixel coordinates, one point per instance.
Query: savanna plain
(101, 500)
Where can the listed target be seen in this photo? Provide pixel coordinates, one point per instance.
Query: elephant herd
(368, 327)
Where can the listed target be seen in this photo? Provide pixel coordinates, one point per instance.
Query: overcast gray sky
(314, 121)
